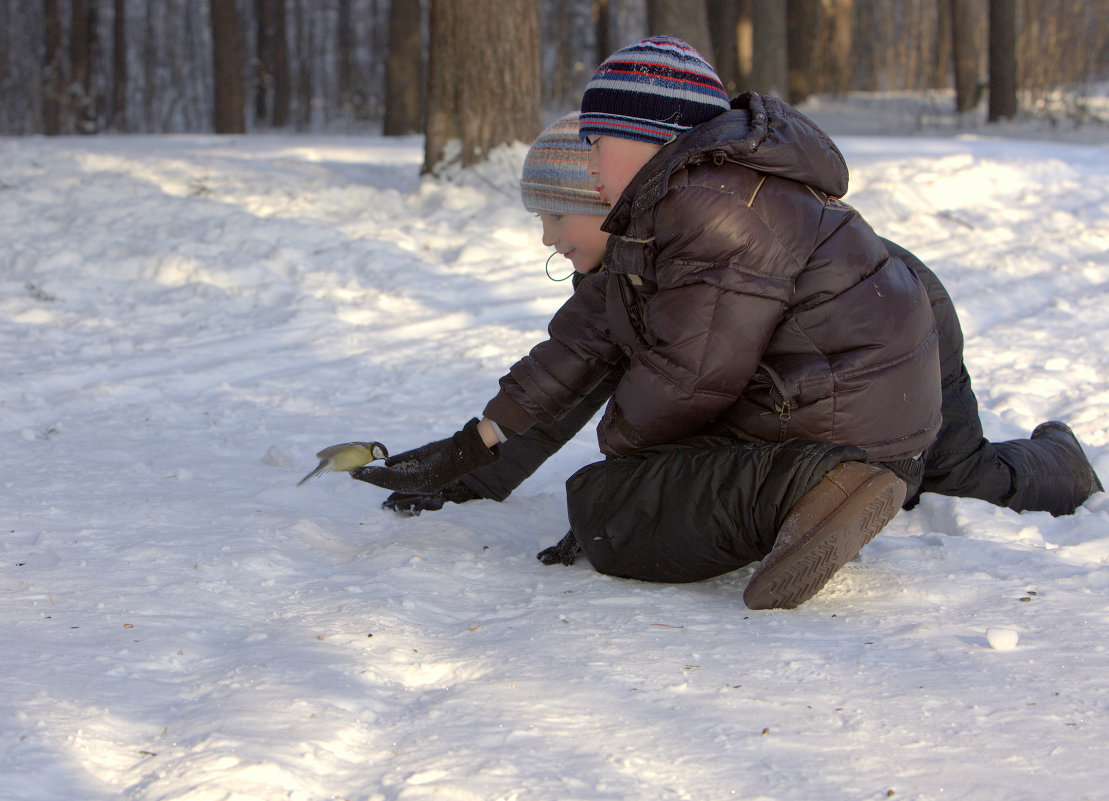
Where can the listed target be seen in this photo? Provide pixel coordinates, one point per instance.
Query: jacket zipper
(785, 406)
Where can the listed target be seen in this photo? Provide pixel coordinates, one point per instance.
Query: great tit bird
(347, 456)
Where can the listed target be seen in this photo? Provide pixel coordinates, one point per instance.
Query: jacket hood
(762, 133)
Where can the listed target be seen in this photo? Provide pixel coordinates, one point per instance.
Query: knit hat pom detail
(651, 91)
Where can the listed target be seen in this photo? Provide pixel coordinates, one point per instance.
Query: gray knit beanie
(556, 177)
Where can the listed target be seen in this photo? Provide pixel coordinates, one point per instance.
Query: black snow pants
(1022, 474)
(698, 508)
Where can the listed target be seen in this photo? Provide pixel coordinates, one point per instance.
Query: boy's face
(613, 162)
(578, 237)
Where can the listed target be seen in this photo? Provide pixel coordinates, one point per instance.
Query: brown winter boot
(824, 531)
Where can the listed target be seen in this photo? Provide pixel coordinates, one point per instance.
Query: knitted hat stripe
(613, 124)
(664, 44)
(570, 195)
(556, 173)
(651, 92)
(565, 151)
(559, 161)
(634, 71)
(551, 172)
(688, 91)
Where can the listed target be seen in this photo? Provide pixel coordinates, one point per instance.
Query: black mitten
(429, 468)
(410, 504)
(565, 552)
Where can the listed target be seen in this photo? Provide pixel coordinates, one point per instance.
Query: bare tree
(483, 86)
(272, 90)
(605, 45)
(1003, 59)
(724, 30)
(53, 77)
(348, 86)
(965, 54)
(305, 76)
(404, 70)
(79, 97)
(81, 65)
(803, 47)
(745, 44)
(567, 58)
(119, 67)
(5, 54)
(353, 95)
(227, 68)
(939, 72)
(769, 66)
(842, 23)
(685, 19)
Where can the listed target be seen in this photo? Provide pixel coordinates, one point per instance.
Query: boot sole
(789, 576)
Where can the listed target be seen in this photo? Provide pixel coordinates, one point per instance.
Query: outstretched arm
(431, 467)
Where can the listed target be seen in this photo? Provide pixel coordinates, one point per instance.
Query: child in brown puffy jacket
(778, 369)
(1048, 472)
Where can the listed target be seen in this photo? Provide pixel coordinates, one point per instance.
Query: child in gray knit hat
(555, 186)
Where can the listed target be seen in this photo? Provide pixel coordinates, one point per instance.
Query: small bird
(347, 456)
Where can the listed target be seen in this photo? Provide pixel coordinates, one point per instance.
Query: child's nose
(549, 238)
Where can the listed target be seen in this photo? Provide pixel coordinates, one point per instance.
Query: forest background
(493, 71)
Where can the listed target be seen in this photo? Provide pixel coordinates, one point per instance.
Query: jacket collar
(762, 133)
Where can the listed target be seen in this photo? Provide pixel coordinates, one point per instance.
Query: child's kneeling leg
(693, 510)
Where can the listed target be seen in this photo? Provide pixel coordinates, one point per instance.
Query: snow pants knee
(695, 509)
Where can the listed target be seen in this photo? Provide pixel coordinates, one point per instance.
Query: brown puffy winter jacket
(739, 291)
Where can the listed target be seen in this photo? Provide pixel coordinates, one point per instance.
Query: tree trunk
(842, 56)
(803, 47)
(685, 19)
(1003, 60)
(403, 70)
(7, 45)
(352, 80)
(605, 45)
(83, 44)
(965, 54)
(745, 43)
(271, 90)
(938, 75)
(483, 86)
(227, 63)
(770, 67)
(564, 38)
(52, 67)
(723, 18)
(79, 60)
(119, 67)
(305, 78)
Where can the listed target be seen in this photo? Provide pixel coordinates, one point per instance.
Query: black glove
(429, 468)
(410, 504)
(565, 552)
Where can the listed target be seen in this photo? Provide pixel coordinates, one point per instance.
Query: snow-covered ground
(185, 321)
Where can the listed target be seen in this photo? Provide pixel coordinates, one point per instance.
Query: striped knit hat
(556, 177)
(651, 91)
